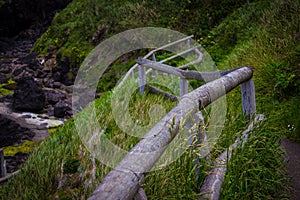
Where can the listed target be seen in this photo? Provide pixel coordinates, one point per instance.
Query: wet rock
(12, 133)
(28, 96)
(53, 96)
(60, 109)
(63, 109)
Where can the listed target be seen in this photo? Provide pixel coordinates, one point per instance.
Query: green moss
(74, 32)
(6, 88)
(26, 147)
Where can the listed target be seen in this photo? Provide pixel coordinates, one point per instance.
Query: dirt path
(293, 165)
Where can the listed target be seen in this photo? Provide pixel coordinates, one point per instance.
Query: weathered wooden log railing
(124, 181)
(212, 184)
(166, 47)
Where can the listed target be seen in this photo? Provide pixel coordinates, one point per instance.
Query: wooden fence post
(188, 43)
(183, 86)
(154, 59)
(2, 165)
(132, 74)
(248, 98)
(142, 77)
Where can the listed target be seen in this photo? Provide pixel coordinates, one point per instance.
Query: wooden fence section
(124, 181)
(211, 187)
(151, 54)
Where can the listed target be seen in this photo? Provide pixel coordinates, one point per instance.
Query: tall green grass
(262, 35)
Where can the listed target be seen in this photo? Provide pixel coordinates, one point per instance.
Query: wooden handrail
(124, 181)
(191, 74)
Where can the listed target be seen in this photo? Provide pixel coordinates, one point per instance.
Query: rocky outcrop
(28, 96)
(12, 133)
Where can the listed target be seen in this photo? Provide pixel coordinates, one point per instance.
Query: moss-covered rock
(26, 147)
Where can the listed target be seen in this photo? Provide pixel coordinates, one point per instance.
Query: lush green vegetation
(6, 88)
(83, 24)
(262, 34)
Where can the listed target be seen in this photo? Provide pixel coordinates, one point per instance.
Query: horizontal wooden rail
(191, 74)
(198, 60)
(130, 72)
(124, 181)
(179, 54)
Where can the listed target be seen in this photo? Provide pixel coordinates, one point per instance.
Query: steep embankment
(263, 35)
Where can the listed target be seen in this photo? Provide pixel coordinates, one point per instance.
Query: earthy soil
(293, 166)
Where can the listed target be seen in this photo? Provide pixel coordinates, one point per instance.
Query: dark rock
(54, 96)
(57, 76)
(30, 59)
(63, 72)
(3, 78)
(18, 70)
(12, 162)
(40, 74)
(57, 85)
(5, 69)
(7, 98)
(12, 133)
(60, 109)
(28, 96)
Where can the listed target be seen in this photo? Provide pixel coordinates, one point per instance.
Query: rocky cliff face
(17, 15)
(21, 23)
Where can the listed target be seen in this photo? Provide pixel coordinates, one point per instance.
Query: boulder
(60, 109)
(53, 96)
(28, 96)
(12, 133)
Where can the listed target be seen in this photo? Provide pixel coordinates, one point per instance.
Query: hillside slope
(262, 34)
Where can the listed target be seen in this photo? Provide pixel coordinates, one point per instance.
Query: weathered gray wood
(2, 165)
(131, 71)
(166, 95)
(198, 136)
(191, 74)
(248, 99)
(178, 54)
(183, 86)
(198, 60)
(188, 43)
(6, 178)
(153, 57)
(142, 77)
(132, 74)
(212, 184)
(124, 181)
(140, 195)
